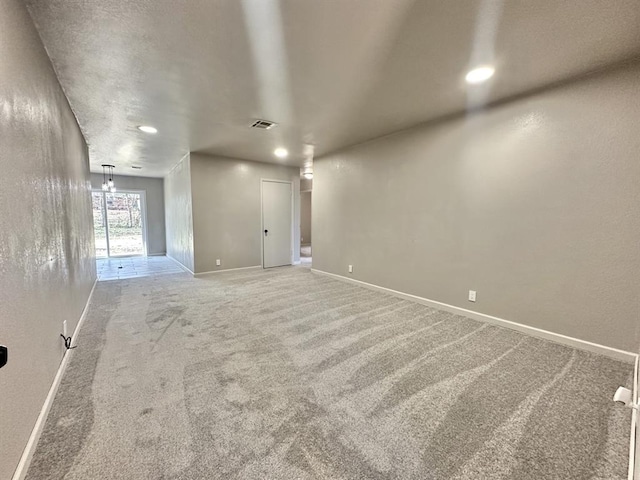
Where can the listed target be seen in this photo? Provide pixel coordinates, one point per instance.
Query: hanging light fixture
(107, 178)
(112, 186)
(105, 187)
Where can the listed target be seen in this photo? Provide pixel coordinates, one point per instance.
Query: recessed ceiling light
(281, 152)
(147, 129)
(480, 74)
(308, 175)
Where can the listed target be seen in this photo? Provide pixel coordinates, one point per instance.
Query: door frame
(308, 190)
(143, 218)
(291, 236)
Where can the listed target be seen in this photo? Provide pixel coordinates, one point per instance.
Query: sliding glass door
(119, 223)
(100, 224)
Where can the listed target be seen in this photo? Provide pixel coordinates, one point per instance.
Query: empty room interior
(319, 239)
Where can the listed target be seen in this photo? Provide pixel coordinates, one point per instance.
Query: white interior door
(277, 230)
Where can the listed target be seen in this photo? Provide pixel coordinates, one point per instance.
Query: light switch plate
(472, 295)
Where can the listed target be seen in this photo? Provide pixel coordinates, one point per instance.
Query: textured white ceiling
(331, 72)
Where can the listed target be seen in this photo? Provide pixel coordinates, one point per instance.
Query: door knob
(266, 232)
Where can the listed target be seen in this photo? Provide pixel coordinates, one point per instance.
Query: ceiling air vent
(263, 124)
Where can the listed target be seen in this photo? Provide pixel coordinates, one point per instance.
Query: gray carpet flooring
(286, 374)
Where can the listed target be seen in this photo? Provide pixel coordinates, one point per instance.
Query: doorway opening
(305, 227)
(277, 223)
(119, 223)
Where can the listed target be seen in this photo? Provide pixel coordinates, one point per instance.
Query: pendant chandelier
(107, 178)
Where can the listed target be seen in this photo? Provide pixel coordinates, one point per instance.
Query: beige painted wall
(178, 213)
(47, 266)
(227, 210)
(533, 203)
(154, 193)
(305, 217)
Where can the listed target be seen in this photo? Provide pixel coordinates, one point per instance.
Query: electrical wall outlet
(350, 268)
(472, 295)
(64, 328)
(218, 263)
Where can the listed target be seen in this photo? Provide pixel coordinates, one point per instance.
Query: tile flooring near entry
(118, 268)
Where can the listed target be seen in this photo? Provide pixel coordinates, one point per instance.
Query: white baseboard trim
(200, 274)
(27, 454)
(634, 467)
(614, 353)
(186, 269)
(161, 254)
(621, 355)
